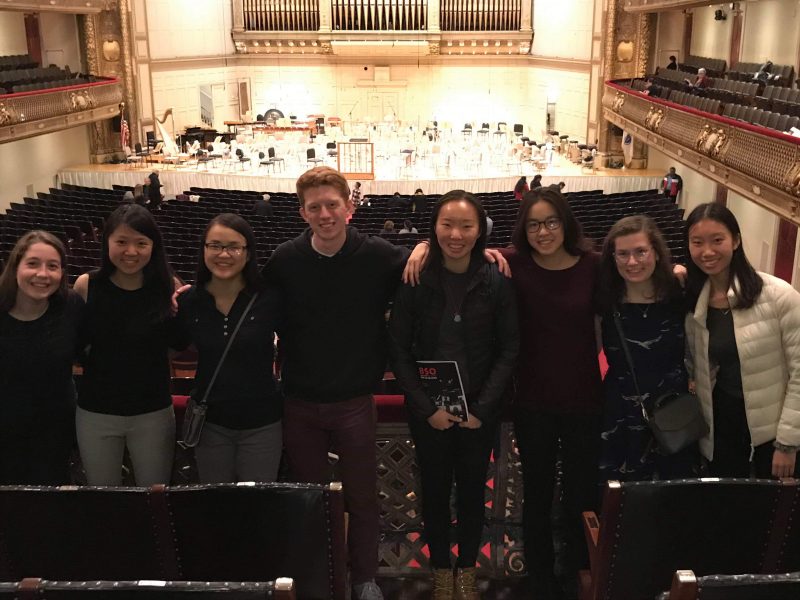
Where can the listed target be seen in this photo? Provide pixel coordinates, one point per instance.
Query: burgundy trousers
(346, 428)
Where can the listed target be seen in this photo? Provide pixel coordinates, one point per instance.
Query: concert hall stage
(176, 180)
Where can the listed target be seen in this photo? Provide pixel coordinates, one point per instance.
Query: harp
(170, 147)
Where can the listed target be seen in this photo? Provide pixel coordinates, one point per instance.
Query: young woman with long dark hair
(38, 342)
(558, 394)
(638, 285)
(241, 439)
(463, 310)
(744, 341)
(124, 398)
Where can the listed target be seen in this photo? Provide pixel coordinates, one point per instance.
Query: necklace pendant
(457, 318)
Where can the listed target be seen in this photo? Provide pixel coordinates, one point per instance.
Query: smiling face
(129, 250)
(227, 263)
(39, 272)
(711, 245)
(457, 230)
(635, 257)
(545, 241)
(326, 211)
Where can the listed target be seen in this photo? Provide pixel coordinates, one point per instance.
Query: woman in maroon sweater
(559, 398)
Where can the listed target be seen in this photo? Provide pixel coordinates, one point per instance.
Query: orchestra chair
(44, 589)
(649, 530)
(687, 586)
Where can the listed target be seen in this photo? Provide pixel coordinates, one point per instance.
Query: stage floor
(389, 178)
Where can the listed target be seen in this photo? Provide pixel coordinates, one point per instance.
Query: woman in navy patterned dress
(637, 281)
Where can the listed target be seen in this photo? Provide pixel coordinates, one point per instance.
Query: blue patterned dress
(656, 339)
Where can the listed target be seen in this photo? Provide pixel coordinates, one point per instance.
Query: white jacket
(768, 341)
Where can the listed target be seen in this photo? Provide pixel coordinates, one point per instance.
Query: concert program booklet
(441, 380)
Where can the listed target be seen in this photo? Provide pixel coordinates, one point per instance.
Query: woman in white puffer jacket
(743, 334)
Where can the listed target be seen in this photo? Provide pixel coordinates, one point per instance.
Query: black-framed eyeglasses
(638, 254)
(550, 223)
(231, 249)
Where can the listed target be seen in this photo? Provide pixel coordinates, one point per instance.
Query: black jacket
(491, 338)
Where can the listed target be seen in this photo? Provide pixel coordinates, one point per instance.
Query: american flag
(124, 133)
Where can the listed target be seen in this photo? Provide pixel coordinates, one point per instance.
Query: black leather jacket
(491, 337)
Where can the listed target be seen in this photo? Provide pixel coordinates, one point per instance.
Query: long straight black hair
(480, 243)
(749, 283)
(157, 273)
(574, 242)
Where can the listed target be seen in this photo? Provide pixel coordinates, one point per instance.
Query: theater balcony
(26, 114)
(359, 28)
(759, 163)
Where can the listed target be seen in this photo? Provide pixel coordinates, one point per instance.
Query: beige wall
(184, 28)
(29, 166)
(60, 40)
(779, 16)
(697, 188)
(669, 38)
(711, 38)
(563, 28)
(12, 33)
(759, 231)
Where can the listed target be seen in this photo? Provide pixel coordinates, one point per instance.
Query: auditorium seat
(226, 532)
(649, 530)
(687, 586)
(43, 589)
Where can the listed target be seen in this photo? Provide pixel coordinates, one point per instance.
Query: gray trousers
(150, 439)
(232, 455)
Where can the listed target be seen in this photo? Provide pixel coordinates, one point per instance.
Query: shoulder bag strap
(227, 347)
(628, 358)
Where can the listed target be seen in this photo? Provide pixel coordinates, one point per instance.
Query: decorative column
(433, 16)
(238, 16)
(628, 37)
(525, 20)
(107, 53)
(736, 37)
(324, 16)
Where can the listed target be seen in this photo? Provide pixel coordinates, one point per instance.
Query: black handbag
(195, 416)
(675, 418)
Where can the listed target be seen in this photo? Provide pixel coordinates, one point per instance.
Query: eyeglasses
(640, 254)
(550, 223)
(232, 250)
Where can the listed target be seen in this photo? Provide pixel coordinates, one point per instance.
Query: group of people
(534, 317)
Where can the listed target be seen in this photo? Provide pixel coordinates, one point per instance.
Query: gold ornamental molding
(649, 6)
(759, 164)
(79, 7)
(26, 115)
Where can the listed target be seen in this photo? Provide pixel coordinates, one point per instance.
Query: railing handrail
(60, 89)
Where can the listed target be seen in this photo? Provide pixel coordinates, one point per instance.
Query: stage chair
(242, 158)
(43, 589)
(265, 162)
(467, 131)
(484, 130)
(331, 147)
(311, 157)
(687, 586)
(501, 129)
(649, 530)
(518, 129)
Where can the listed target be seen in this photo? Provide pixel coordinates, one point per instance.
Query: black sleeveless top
(126, 369)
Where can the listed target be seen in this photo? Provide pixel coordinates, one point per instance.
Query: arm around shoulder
(81, 286)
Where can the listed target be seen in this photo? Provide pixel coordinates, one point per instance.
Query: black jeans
(441, 455)
(538, 435)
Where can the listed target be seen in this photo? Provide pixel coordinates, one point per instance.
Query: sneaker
(367, 590)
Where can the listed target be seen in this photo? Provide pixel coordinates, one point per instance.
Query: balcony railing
(33, 113)
(758, 163)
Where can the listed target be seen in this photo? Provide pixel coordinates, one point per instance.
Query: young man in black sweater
(336, 285)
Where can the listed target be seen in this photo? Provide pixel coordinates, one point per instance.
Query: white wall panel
(35, 161)
(771, 16)
(187, 28)
(711, 38)
(60, 40)
(563, 29)
(12, 33)
(759, 231)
